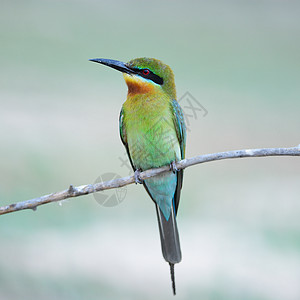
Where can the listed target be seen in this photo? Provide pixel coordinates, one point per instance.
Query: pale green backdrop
(239, 220)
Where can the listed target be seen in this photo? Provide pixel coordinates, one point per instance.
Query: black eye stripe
(153, 77)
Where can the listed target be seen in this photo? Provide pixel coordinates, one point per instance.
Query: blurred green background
(239, 220)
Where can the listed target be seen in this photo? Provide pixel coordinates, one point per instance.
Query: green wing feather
(122, 128)
(123, 136)
(180, 127)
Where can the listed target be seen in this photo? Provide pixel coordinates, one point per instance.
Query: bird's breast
(151, 134)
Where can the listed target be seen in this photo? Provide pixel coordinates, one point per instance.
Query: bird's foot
(173, 167)
(137, 177)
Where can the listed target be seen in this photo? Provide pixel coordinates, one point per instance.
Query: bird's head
(144, 75)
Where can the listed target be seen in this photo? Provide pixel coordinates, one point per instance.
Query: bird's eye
(146, 72)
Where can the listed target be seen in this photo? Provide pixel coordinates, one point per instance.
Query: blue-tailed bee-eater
(153, 132)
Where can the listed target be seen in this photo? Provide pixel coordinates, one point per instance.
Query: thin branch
(116, 183)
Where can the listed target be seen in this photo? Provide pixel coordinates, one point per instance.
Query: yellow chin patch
(137, 85)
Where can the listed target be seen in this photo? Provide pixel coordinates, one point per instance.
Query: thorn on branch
(71, 190)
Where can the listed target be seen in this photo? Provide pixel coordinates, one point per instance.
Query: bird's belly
(154, 146)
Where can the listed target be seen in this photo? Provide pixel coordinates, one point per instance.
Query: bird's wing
(180, 127)
(123, 136)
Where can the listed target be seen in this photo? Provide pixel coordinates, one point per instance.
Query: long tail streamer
(173, 277)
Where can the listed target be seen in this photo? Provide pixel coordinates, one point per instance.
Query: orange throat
(137, 85)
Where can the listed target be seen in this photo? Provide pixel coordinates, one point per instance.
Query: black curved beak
(115, 64)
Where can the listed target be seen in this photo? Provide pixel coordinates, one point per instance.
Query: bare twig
(116, 183)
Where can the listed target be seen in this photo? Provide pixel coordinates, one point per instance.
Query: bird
(153, 131)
